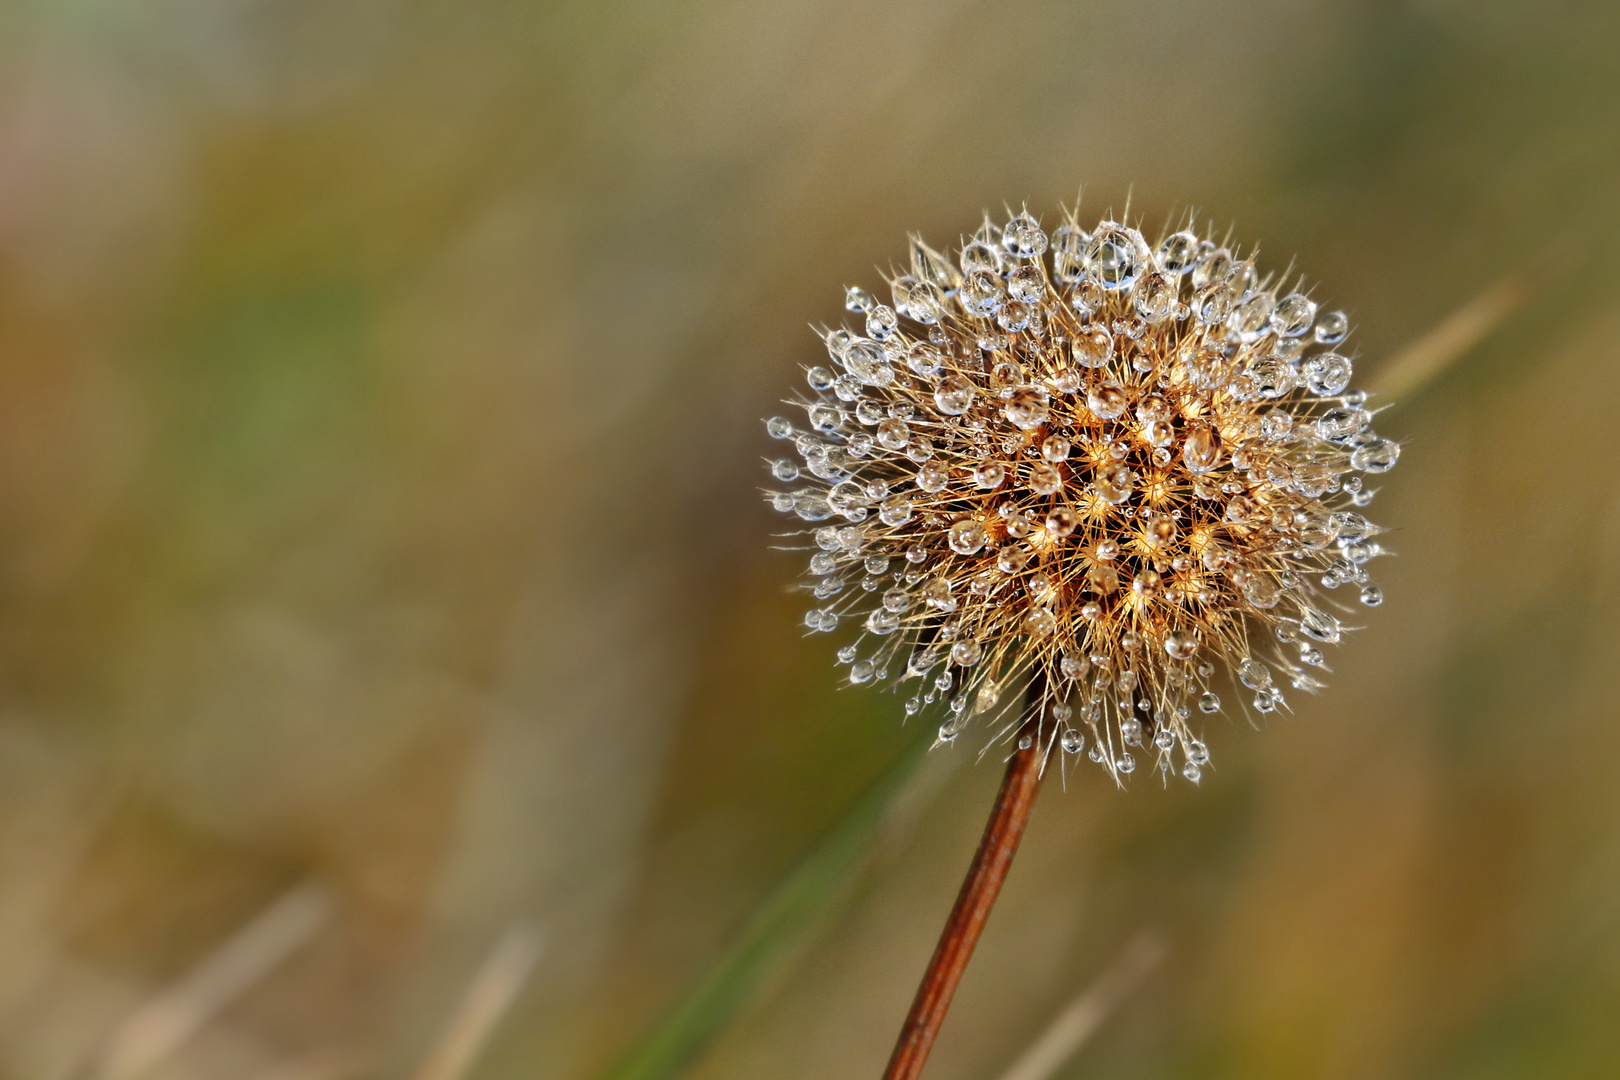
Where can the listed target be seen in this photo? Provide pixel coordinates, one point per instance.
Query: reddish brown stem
(991, 862)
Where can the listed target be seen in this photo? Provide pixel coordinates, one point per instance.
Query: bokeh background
(394, 678)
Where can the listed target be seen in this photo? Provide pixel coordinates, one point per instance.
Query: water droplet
(1044, 479)
(1327, 374)
(967, 537)
(1074, 667)
(1319, 625)
(1180, 645)
(1093, 346)
(1125, 764)
(1192, 772)
(1055, 448)
(858, 299)
(981, 293)
(1028, 407)
(1253, 674)
(1293, 315)
(1114, 257)
(1378, 456)
(1069, 253)
(954, 396)
(933, 477)
(1040, 623)
(1062, 521)
(989, 475)
(1115, 483)
(778, 427)
(1106, 400)
(1155, 298)
(966, 653)
(1178, 253)
(895, 510)
(1023, 238)
(881, 323)
(1214, 268)
(1026, 284)
(1072, 741)
(1339, 423)
(1372, 596)
(1332, 327)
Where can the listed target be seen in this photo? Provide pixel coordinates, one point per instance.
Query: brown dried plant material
(1133, 469)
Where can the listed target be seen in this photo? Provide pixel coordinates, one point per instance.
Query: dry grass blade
(168, 1019)
(1424, 360)
(1076, 1023)
(486, 1001)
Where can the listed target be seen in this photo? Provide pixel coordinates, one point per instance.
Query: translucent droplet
(1332, 327)
(1114, 256)
(1069, 253)
(1349, 526)
(1213, 269)
(1250, 317)
(986, 698)
(1180, 645)
(1072, 741)
(895, 510)
(881, 323)
(785, 471)
(1040, 623)
(1178, 253)
(1013, 317)
(1044, 479)
(954, 396)
(1023, 238)
(1372, 596)
(1125, 764)
(1253, 674)
(883, 621)
(989, 475)
(1293, 315)
(1192, 772)
(980, 256)
(858, 299)
(981, 293)
(1093, 347)
(1319, 626)
(1341, 423)
(1378, 456)
(1327, 374)
(925, 302)
(967, 537)
(1106, 400)
(928, 265)
(1028, 407)
(892, 434)
(966, 653)
(1074, 667)
(1273, 377)
(925, 358)
(1062, 521)
(1155, 298)
(1102, 579)
(1115, 483)
(1213, 304)
(778, 427)
(1026, 284)
(933, 477)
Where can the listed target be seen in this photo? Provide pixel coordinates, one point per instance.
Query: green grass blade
(778, 930)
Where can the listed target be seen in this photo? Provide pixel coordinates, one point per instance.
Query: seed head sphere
(1136, 468)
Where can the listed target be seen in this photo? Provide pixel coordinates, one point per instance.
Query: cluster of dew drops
(1130, 466)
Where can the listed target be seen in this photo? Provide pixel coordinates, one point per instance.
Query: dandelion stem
(991, 862)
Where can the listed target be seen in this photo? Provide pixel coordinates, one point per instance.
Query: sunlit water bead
(1293, 315)
(1115, 256)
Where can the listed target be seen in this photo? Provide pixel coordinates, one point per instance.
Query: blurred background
(394, 677)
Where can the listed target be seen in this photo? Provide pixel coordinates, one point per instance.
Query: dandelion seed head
(1135, 468)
